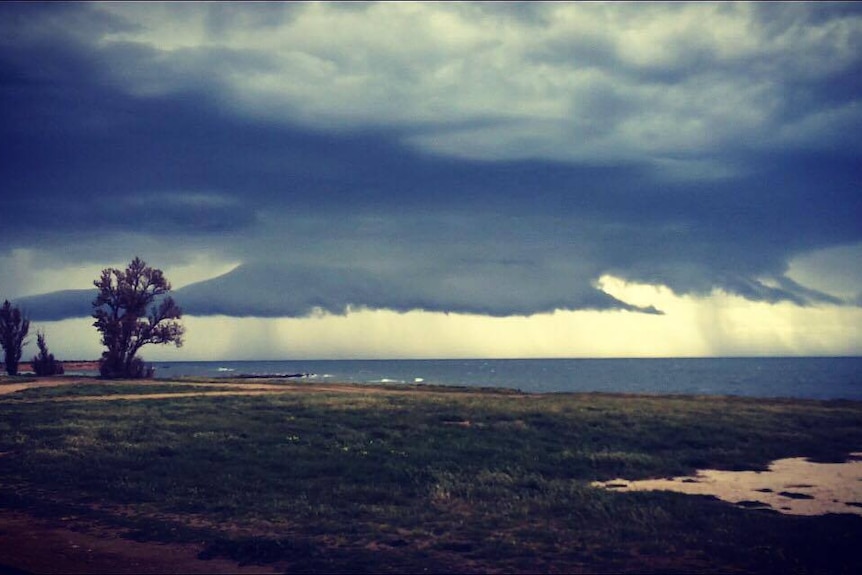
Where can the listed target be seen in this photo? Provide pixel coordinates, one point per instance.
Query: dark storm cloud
(59, 305)
(500, 168)
(298, 291)
(273, 291)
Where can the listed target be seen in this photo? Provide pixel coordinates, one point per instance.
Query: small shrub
(44, 364)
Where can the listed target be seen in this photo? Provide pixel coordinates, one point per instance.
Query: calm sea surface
(805, 377)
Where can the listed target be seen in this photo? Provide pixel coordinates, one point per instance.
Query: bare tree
(131, 311)
(14, 326)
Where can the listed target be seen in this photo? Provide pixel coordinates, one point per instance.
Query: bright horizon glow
(719, 325)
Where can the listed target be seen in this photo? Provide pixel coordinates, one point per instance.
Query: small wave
(225, 369)
(418, 379)
(276, 375)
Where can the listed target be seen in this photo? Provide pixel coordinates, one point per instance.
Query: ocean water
(801, 377)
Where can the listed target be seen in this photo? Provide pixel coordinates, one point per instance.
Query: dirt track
(215, 389)
(256, 388)
(179, 394)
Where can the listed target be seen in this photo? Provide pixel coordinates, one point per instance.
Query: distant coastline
(71, 365)
(821, 378)
(795, 377)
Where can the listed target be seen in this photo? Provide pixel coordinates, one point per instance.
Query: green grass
(455, 481)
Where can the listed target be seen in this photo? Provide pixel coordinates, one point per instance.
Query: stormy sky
(441, 179)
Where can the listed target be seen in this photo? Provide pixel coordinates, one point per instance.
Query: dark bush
(44, 364)
(114, 368)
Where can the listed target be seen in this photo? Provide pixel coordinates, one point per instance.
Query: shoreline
(812, 378)
(26, 367)
(289, 382)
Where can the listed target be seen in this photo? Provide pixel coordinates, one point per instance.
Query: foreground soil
(31, 544)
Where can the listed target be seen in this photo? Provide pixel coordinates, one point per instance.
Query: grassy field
(423, 479)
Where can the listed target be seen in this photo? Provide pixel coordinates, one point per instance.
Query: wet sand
(794, 486)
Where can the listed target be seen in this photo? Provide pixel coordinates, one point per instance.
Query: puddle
(794, 486)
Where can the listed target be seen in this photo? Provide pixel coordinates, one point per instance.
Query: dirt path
(234, 389)
(178, 394)
(7, 388)
(43, 382)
